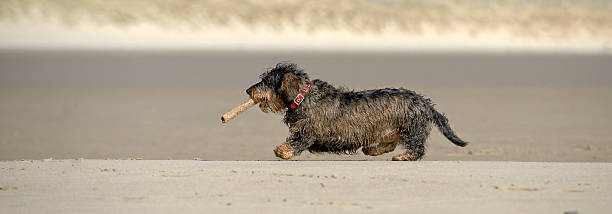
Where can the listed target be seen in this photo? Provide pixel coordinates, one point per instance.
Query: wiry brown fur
(336, 120)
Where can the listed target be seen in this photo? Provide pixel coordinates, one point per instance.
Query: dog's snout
(250, 89)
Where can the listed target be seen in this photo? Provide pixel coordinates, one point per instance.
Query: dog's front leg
(284, 151)
(293, 146)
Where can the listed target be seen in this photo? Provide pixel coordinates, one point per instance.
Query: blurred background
(521, 80)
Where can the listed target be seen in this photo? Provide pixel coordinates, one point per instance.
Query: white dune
(321, 25)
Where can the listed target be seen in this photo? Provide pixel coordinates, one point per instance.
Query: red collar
(301, 96)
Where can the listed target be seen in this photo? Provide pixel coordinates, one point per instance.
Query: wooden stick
(234, 112)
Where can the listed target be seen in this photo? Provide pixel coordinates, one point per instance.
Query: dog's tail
(442, 123)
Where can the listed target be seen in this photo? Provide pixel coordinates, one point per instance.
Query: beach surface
(115, 106)
(167, 105)
(129, 186)
(75, 125)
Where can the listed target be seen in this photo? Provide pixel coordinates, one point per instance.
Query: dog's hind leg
(387, 144)
(380, 149)
(414, 141)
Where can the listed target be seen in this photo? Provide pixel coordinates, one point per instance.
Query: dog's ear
(291, 84)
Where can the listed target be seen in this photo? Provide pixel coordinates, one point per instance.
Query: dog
(324, 118)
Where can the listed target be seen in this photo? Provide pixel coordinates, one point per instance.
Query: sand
(128, 186)
(535, 123)
(167, 105)
(551, 109)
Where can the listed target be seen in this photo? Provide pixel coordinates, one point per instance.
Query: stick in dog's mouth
(239, 109)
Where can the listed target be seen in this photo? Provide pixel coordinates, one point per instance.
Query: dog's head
(278, 87)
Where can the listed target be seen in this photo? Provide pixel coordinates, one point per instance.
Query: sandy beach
(117, 132)
(167, 105)
(98, 186)
(115, 106)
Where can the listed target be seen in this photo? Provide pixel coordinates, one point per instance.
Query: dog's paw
(406, 157)
(400, 158)
(284, 151)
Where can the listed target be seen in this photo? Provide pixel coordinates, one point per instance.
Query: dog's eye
(268, 82)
